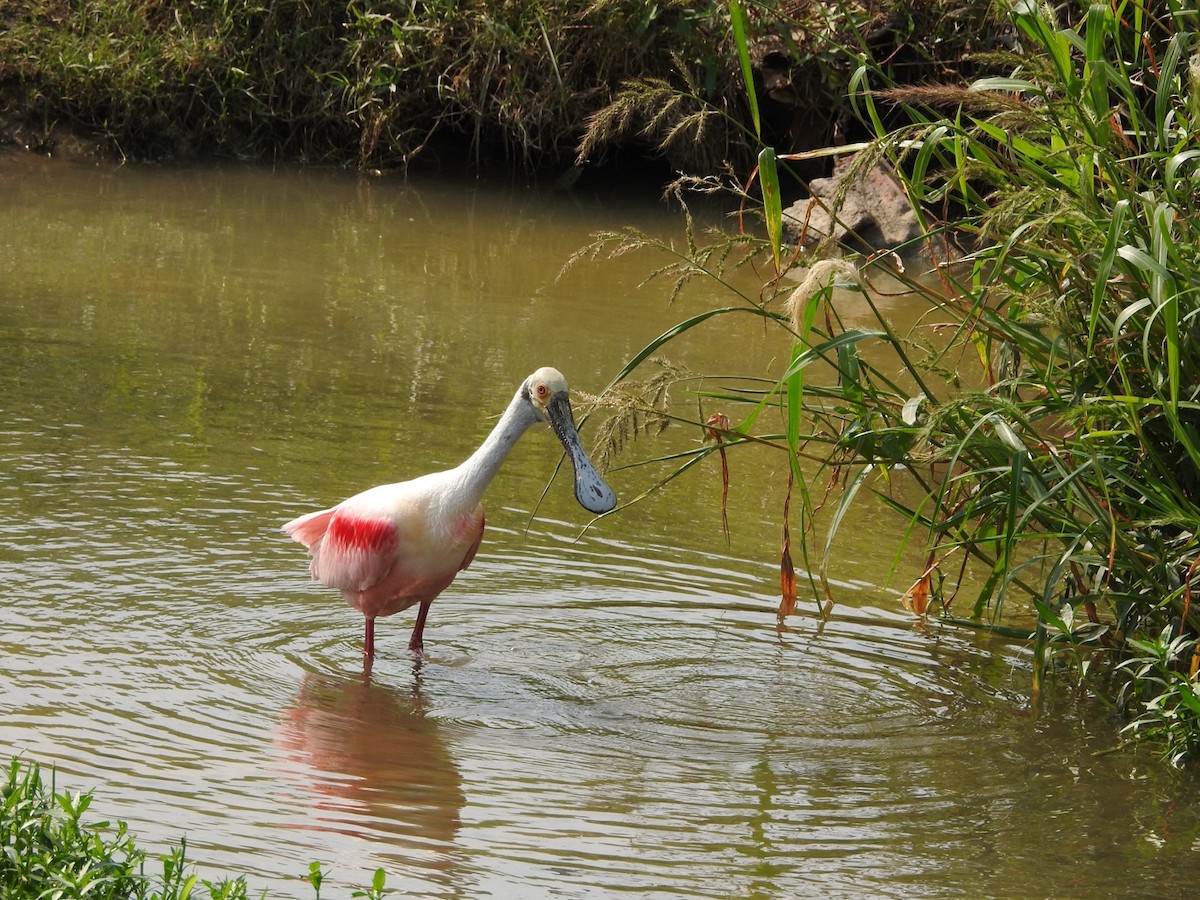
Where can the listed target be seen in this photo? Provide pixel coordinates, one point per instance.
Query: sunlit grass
(1067, 486)
(371, 84)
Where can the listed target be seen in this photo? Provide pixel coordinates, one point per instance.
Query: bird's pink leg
(415, 642)
(369, 639)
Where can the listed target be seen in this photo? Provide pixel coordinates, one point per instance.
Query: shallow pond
(189, 358)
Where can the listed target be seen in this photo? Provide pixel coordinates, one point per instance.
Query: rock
(874, 212)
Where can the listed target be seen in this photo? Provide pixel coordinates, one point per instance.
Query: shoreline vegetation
(543, 87)
(1058, 190)
(1055, 146)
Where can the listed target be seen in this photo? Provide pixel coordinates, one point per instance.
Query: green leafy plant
(377, 890)
(1161, 673)
(47, 850)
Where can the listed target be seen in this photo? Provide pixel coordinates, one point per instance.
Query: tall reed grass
(1065, 489)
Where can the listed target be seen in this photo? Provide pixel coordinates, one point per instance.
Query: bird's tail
(310, 528)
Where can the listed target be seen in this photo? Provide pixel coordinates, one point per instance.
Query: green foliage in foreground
(1064, 492)
(47, 852)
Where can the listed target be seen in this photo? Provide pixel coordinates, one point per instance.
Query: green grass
(1061, 496)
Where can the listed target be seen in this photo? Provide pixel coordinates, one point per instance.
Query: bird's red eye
(542, 391)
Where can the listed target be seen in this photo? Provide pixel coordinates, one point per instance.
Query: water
(190, 358)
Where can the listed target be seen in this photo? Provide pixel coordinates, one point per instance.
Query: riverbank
(556, 89)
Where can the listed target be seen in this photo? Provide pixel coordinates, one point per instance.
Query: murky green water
(190, 358)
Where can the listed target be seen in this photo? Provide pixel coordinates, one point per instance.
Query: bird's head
(546, 392)
(541, 389)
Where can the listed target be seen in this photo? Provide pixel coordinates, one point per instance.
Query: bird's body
(398, 545)
(392, 546)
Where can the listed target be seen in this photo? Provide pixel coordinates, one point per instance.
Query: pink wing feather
(349, 551)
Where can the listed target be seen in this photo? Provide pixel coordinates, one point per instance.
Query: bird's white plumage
(397, 545)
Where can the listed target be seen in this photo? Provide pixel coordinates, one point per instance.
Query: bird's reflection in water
(377, 767)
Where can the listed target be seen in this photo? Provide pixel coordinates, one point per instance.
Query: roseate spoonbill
(398, 545)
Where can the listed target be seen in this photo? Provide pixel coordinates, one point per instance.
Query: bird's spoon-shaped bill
(591, 490)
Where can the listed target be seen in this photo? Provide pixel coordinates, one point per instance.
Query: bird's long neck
(474, 475)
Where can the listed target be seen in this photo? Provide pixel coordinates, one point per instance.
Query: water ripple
(602, 711)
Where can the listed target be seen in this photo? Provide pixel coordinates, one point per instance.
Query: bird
(394, 546)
